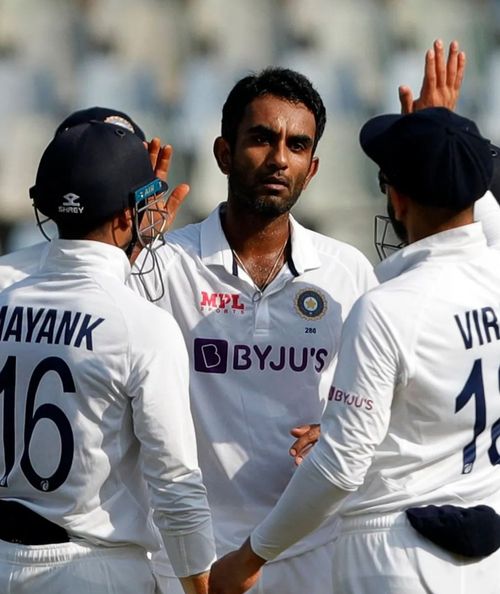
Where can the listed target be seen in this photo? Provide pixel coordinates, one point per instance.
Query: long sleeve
(309, 499)
(163, 424)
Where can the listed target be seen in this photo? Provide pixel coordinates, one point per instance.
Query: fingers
(163, 161)
(153, 149)
(442, 79)
(160, 157)
(299, 431)
(455, 66)
(406, 99)
(439, 63)
(460, 71)
(299, 458)
(430, 78)
(174, 201)
(301, 445)
(452, 64)
(307, 435)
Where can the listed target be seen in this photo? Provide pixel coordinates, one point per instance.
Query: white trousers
(76, 568)
(386, 555)
(309, 573)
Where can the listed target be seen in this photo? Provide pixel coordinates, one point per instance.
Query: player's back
(71, 338)
(440, 319)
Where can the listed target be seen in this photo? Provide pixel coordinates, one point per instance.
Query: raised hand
(161, 157)
(442, 80)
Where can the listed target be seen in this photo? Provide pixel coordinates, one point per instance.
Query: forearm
(309, 499)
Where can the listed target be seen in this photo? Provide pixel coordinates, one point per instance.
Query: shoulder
(343, 259)
(181, 241)
(133, 306)
(392, 309)
(177, 243)
(333, 248)
(20, 264)
(148, 326)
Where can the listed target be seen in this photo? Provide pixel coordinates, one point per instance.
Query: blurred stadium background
(171, 63)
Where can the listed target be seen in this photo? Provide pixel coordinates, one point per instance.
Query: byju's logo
(70, 204)
(210, 355)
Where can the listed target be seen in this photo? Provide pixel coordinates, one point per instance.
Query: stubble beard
(399, 228)
(268, 206)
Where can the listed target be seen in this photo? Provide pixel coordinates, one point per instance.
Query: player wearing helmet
(94, 437)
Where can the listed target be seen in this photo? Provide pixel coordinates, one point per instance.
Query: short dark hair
(281, 82)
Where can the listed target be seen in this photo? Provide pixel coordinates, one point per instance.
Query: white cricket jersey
(259, 367)
(487, 211)
(21, 263)
(94, 384)
(414, 410)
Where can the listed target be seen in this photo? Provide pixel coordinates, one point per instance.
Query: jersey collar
(69, 255)
(215, 249)
(459, 244)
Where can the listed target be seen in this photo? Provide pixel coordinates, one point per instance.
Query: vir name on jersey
(478, 326)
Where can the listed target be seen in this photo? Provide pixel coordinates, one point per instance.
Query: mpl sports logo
(221, 303)
(70, 204)
(213, 355)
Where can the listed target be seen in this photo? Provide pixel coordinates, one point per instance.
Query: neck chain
(259, 290)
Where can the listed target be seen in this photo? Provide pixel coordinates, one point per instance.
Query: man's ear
(222, 154)
(313, 169)
(399, 204)
(124, 218)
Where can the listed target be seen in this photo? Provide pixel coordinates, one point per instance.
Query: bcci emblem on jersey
(310, 304)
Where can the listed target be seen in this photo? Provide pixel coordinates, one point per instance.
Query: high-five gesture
(442, 80)
(161, 157)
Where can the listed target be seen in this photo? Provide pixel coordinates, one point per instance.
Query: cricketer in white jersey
(258, 366)
(414, 408)
(260, 301)
(96, 425)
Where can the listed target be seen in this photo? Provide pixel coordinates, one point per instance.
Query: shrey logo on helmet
(70, 204)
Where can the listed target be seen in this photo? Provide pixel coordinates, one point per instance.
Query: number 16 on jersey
(32, 415)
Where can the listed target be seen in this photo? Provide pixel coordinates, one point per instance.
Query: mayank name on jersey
(28, 324)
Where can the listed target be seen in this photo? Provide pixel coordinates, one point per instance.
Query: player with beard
(261, 301)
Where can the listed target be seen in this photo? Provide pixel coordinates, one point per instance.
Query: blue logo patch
(310, 304)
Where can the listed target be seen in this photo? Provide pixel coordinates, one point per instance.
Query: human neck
(260, 245)
(424, 226)
(249, 233)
